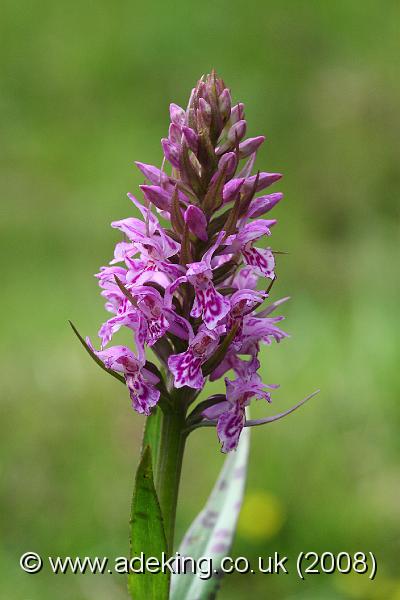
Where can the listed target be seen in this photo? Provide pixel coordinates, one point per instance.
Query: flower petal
(229, 428)
(143, 395)
(197, 222)
(186, 369)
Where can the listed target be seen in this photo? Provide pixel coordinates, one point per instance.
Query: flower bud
(175, 134)
(229, 162)
(231, 189)
(219, 84)
(250, 145)
(237, 113)
(154, 175)
(177, 114)
(191, 137)
(262, 181)
(157, 196)
(263, 204)
(237, 131)
(197, 222)
(171, 152)
(224, 103)
(202, 90)
(205, 112)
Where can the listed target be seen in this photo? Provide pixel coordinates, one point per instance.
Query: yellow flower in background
(262, 516)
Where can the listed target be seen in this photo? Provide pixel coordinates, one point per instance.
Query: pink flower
(139, 380)
(209, 304)
(238, 395)
(186, 367)
(260, 259)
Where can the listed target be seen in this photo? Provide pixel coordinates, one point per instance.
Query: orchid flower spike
(190, 277)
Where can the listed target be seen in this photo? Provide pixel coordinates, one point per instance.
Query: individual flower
(186, 366)
(232, 413)
(140, 381)
(209, 303)
(260, 259)
(158, 315)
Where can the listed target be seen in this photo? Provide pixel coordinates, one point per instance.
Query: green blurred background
(85, 88)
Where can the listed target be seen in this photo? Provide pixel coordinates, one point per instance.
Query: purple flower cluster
(186, 278)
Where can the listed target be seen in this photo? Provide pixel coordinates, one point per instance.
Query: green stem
(164, 432)
(168, 469)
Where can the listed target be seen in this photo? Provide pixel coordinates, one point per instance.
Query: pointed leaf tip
(94, 356)
(124, 290)
(219, 354)
(255, 422)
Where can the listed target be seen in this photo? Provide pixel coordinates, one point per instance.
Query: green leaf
(147, 534)
(211, 533)
(152, 434)
(96, 358)
(125, 291)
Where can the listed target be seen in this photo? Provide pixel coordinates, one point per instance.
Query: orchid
(188, 281)
(139, 380)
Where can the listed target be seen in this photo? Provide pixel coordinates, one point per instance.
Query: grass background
(84, 91)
